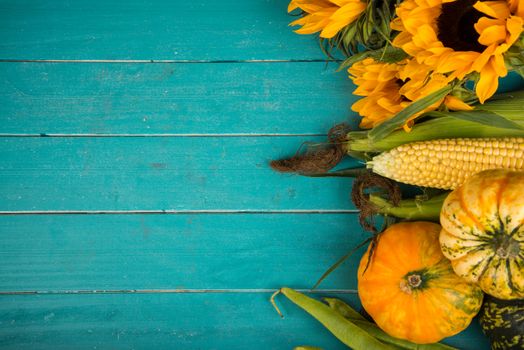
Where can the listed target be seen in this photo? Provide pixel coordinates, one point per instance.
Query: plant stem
(411, 209)
(510, 106)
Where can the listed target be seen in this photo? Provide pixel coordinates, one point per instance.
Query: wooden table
(137, 207)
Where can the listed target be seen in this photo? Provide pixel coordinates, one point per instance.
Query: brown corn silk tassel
(316, 159)
(367, 181)
(364, 182)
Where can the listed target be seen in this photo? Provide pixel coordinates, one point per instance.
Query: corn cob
(447, 163)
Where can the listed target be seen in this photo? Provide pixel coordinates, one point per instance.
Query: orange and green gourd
(483, 232)
(409, 287)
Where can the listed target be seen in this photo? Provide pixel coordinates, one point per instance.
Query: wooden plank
(177, 99)
(143, 173)
(168, 321)
(172, 98)
(153, 29)
(122, 252)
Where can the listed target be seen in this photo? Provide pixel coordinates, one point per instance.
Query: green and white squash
(483, 232)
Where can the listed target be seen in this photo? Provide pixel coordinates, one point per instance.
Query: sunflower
(378, 84)
(460, 37)
(387, 88)
(326, 16)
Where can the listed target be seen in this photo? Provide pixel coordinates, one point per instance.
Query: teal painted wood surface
(233, 321)
(167, 173)
(149, 218)
(154, 99)
(151, 30)
(212, 251)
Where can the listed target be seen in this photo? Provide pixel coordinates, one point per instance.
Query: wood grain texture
(154, 99)
(221, 251)
(151, 30)
(158, 106)
(158, 174)
(130, 321)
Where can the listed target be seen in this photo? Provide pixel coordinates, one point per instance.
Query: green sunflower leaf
(349, 35)
(387, 127)
(481, 117)
(388, 54)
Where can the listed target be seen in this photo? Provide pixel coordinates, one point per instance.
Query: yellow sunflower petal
(388, 105)
(456, 104)
(309, 6)
(483, 58)
(396, 24)
(342, 17)
(493, 35)
(484, 23)
(341, 3)
(487, 84)
(314, 22)
(514, 26)
(456, 61)
(498, 64)
(377, 83)
(293, 5)
(299, 22)
(312, 27)
(426, 36)
(495, 9)
(517, 7)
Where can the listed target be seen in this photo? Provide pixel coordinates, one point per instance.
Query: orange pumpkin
(483, 232)
(410, 289)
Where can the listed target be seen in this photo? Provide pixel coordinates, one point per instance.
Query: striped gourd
(447, 163)
(483, 233)
(503, 322)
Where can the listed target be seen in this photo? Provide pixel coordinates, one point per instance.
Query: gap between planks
(178, 291)
(172, 61)
(196, 135)
(179, 212)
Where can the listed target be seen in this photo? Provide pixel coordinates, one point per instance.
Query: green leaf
(349, 35)
(345, 331)
(353, 59)
(340, 262)
(388, 54)
(481, 117)
(402, 117)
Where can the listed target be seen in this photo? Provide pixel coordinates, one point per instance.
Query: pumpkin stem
(411, 282)
(509, 248)
(414, 280)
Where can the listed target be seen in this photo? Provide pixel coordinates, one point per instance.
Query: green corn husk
(352, 315)
(350, 327)
(415, 209)
(509, 107)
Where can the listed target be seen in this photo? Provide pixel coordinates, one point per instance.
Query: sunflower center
(456, 26)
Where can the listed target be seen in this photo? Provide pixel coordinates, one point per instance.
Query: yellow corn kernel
(447, 163)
